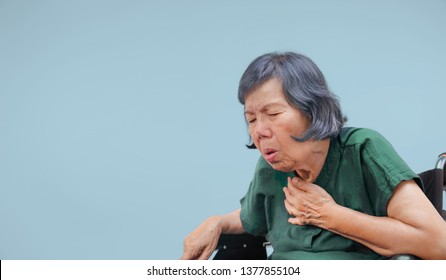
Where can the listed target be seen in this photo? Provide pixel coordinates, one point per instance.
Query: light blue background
(120, 130)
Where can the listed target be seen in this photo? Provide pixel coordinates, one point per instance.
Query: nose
(262, 129)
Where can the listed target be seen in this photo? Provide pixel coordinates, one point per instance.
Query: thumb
(186, 256)
(300, 184)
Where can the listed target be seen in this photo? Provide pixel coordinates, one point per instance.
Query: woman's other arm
(201, 242)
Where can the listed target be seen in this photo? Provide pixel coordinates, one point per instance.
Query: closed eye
(274, 114)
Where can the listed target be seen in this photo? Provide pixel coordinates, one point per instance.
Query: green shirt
(361, 171)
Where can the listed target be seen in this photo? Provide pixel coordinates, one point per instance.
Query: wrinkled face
(272, 121)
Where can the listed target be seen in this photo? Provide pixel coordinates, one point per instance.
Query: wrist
(334, 214)
(216, 223)
(229, 223)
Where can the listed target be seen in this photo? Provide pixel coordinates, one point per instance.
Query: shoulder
(354, 135)
(377, 154)
(365, 139)
(370, 144)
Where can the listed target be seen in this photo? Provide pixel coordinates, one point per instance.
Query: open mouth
(270, 154)
(269, 151)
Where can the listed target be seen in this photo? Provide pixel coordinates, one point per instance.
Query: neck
(313, 167)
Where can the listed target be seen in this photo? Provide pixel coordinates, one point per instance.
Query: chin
(280, 167)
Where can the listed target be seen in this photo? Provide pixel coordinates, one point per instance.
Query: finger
(292, 193)
(295, 221)
(290, 208)
(300, 184)
(288, 194)
(291, 187)
(296, 180)
(207, 252)
(204, 256)
(186, 256)
(295, 183)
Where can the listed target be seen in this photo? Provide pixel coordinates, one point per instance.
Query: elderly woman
(320, 190)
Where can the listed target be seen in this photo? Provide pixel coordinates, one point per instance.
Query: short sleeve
(383, 170)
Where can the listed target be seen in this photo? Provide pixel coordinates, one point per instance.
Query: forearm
(377, 233)
(231, 222)
(385, 235)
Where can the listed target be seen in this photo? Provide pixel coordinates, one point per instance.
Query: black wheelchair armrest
(241, 247)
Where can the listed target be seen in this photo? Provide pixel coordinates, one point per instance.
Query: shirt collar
(331, 163)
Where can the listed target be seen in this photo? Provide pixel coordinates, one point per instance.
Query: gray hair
(304, 88)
